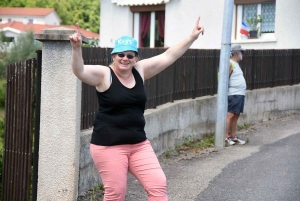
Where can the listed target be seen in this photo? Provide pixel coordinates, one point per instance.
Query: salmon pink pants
(113, 163)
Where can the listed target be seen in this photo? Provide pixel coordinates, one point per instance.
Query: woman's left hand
(197, 30)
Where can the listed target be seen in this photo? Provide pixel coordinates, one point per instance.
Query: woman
(119, 142)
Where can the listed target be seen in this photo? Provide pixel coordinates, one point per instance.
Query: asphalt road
(265, 169)
(272, 174)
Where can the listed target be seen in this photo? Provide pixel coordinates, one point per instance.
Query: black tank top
(120, 118)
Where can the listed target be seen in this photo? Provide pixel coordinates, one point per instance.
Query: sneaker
(238, 140)
(229, 141)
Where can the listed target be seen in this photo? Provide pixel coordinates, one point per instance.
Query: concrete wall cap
(57, 34)
(58, 30)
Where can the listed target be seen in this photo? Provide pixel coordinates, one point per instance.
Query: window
(30, 21)
(268, 15)
(149, 25)
(10, 39)
(9, 20)
(265, 8)
(267, 12)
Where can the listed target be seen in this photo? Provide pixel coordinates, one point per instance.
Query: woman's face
(125, 60)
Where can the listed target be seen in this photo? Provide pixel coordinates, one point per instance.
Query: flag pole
(222, 96)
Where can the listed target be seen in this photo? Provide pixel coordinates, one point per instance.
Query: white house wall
(287, 23)
(286, 35)
(115, 21)
(38, 19)
(12, 17)
(11, 33)
(52, 19)
(181, 17)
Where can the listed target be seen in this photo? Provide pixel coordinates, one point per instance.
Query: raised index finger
(78, 28)
(197, 22)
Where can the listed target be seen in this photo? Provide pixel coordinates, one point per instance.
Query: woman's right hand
(75, 39)
(197, 30)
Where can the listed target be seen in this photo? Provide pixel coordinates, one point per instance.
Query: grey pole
(224, 74)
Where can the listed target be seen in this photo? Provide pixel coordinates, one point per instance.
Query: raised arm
(90, 74)
(156, 64)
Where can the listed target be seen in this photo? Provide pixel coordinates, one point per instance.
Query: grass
(197, 144)
(192, 145)
(93, 194)
(243, 127)
(98, 188)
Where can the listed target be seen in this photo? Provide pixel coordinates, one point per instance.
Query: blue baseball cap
(125, 43)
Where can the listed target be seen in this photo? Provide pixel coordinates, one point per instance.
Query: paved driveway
(264, 169)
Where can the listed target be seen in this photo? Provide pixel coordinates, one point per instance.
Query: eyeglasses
(129, 56)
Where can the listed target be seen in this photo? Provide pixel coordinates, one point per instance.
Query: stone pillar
(58, 168)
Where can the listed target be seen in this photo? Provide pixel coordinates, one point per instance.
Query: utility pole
(224, 75)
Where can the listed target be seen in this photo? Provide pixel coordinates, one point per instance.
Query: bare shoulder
(139, 67)
(103, 70)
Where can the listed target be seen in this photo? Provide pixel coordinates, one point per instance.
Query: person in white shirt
(236, 95)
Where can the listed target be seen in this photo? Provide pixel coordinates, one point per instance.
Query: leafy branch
(254, 21)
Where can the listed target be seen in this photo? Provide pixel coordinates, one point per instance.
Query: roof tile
(37, 28)
(26, 11)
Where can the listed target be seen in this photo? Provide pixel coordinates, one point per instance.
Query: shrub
(1, 164)
(1, 132)
(1, 152)
(2, 92)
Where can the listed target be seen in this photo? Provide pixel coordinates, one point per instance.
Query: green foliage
(13, 3)
(23, 48)
(254, 21)
(1, 151)
(92, 43)
(86, 13)
(3, 39)
(1, 164)
(3, 53)
(243, 127)
(1, 133)
(2, 92)
(196, 144)
(167, 154)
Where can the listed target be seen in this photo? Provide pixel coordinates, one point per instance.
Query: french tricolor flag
(244, 28)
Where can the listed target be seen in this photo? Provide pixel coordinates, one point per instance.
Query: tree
(13, 3)
(4, 43)
(86, 13)
(23, 48)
